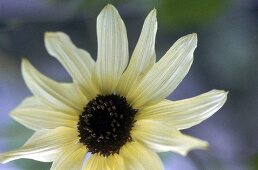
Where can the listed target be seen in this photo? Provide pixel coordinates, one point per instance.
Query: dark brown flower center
(105, 124)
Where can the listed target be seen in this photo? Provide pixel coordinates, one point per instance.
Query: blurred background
(226, 58)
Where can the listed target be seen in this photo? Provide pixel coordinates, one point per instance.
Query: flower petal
(112, 162)
(188, 112)
(162, 137)
(64, 97)
(77, 62)
(44, 145)
(112, 49)
(96, 162)
(36, 115)
(166, 74)
(115, 162)
(136, 156)
(71, 157)
(143, 56)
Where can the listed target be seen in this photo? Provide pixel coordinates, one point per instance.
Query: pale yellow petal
(166, 74)
(77, 62)
(64, 97)
(44, 145)
(36, 115)
(188, 112)
(115, 162)
(112, 49)
(136, 156)
(162, 137)
(70, 158)
(143, 56)
(96, 162)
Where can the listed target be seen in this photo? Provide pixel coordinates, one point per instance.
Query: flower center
(105, 124)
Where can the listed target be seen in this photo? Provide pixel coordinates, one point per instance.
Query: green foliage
(189, 12)
(253, 163)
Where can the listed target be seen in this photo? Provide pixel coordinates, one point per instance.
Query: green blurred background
(226, 58)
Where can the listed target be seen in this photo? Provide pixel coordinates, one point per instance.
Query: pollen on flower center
(105, 124)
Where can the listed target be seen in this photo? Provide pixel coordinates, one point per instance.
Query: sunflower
(114, 114)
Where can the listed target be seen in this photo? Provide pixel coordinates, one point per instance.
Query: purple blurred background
(226, 58)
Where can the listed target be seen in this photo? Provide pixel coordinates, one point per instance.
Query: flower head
(113, 110)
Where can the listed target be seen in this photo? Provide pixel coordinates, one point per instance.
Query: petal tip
(25, 62)
(152, 16)
(193, 37)
(50, 34)
(205, 145)
(12, 114)
(194, 34)
(108, 12)
(222, 92)
(201, 145)
(190, 40)
(3, 159)
(109, 7)
(154, 12)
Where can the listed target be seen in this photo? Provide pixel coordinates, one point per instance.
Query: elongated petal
(166, 74)
(188, 112)
(44, 145)
(136, 156)
(64, 97)
(71, 157)
(36, 115)
(77, 62)
(143, 56)
(162, 137)
(96, 162)
(112, 49)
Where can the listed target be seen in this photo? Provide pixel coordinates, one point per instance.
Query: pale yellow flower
(114, 111)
